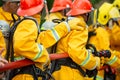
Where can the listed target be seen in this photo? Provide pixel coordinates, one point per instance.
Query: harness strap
(68, 62)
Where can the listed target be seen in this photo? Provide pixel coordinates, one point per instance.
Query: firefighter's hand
(104, 53)
(77, 23)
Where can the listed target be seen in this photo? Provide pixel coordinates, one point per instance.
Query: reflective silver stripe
(99, 78)
(114, 59)
(19, 58)
(38, 55)
(55, 34)
(87, 59)
(68, 26)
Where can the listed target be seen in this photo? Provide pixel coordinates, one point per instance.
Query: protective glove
(104, 53)
(48, 25)
(77, 23)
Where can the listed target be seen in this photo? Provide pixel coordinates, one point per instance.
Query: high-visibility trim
(55, 34)
(42, 28)
(95, 65)
(99, 78)
(19, 58)
(86, 60)
(68, 26)
(112, 61)
(40, 47)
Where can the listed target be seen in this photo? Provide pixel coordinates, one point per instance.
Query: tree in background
(49, 3)
(0, 2)
(98, 3)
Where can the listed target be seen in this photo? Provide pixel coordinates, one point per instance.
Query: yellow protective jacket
(102, 41)
(25, 42)
(37, 17)
(5, 15)
(2, 44)
(74, 44)
(25, 46)
(115, 45)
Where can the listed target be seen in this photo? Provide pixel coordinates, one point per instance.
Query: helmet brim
(11, 0)
(31, 11)
(75, 12)
(55, 9)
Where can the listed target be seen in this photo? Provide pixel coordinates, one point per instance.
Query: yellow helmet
(116, 3)
(114, 13)
(103, 15)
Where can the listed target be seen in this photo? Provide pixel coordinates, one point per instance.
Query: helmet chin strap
(66, 10)
(46, 9)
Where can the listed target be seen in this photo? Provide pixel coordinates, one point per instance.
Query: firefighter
(6, 8)
(102, 40)
(25, 44)
(115, 35)
(57, 14)
(4, 28)
(6, 18)
(116, 3)
(80, 59)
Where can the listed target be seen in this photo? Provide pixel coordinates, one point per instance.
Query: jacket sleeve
(78, 52)
(114, 60)
(25, 42)
(50, 37)
(102, 42)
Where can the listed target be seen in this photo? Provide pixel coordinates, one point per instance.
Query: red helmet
(80, 7)
(30, 7)
(60, 5)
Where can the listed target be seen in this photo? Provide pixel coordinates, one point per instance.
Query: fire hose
(26, 62)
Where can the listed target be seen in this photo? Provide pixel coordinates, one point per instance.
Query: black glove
(104, 53)
(91, 73)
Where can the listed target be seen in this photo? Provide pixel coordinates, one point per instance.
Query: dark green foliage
(94, 1)
(1, 3)
(49, 2)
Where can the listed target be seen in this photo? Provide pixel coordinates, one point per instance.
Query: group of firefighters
(25, 33)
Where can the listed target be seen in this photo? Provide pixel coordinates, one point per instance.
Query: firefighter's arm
(50, 37)
(25, 43)
(114, 60)
(78, 52)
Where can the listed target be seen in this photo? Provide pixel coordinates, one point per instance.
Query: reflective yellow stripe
(40, 47)
(86, 60)
(19, 58)
(114, 59)
(55, 34)
(68, 26)
(99, 78)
